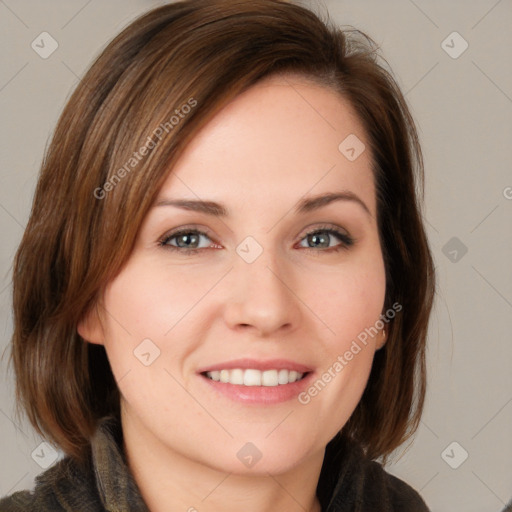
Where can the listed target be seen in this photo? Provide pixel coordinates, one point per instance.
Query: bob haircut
(126, 124)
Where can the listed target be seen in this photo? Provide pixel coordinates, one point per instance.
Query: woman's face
(247, 267)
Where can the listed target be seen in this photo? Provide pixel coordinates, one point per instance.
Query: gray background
(463, 107)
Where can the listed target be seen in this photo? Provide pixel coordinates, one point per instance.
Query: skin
(272, 146)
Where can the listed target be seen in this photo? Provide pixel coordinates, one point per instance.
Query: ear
(90, 328)
(382, 338)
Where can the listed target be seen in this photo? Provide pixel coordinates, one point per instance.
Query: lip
(262, 395)
(257, 364)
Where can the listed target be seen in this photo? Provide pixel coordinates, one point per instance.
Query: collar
(116, 487)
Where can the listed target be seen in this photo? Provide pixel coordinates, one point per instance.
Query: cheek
(148, 303)
(145, 302)
(348, 300)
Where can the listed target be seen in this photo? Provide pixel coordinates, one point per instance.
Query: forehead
(276, 142)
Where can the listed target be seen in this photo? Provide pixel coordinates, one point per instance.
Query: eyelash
(346, 240)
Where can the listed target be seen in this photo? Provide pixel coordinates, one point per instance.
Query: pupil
(320, 240)
(187, 239)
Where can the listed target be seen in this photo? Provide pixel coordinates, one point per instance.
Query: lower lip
(260, 394)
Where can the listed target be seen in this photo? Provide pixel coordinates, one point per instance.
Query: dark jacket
(105, 483)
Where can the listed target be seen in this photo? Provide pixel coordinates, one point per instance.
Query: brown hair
(97, 184)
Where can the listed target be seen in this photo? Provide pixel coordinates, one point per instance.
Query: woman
(222, 295)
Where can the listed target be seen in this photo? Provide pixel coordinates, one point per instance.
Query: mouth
(255, 377)
(257, 382)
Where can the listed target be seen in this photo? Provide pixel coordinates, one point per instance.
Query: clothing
(106, 484)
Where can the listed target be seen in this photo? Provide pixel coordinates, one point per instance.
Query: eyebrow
(314, 203)
(303, 206)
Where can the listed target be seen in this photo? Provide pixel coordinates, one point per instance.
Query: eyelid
(185, 229)
(322, 226)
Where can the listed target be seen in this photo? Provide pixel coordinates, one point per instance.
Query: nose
(261, 298)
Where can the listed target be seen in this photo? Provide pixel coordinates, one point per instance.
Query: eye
(186, 240)
(323, 238)
(193, 241)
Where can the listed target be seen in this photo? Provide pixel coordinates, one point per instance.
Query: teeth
(236, 376)
(251, 377)
(269, 378)
(282, 377)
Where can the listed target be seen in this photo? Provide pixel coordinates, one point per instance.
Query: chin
(258, 458)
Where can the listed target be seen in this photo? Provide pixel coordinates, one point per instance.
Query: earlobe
(383, 336)
(89, 327)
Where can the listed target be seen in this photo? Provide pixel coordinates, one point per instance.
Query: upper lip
(257, 364)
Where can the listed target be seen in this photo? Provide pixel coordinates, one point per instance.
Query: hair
(97, 183)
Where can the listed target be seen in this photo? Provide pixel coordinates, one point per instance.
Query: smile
(254, 377)
(257, 381)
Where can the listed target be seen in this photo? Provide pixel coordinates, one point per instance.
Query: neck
(169, 480)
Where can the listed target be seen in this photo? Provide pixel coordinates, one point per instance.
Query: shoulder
(402, 497)
(65, 486)
(393, 494)
(350, 481)
(17, 502)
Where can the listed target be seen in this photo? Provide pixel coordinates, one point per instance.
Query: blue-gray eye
(189, 239)
(322, 238)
